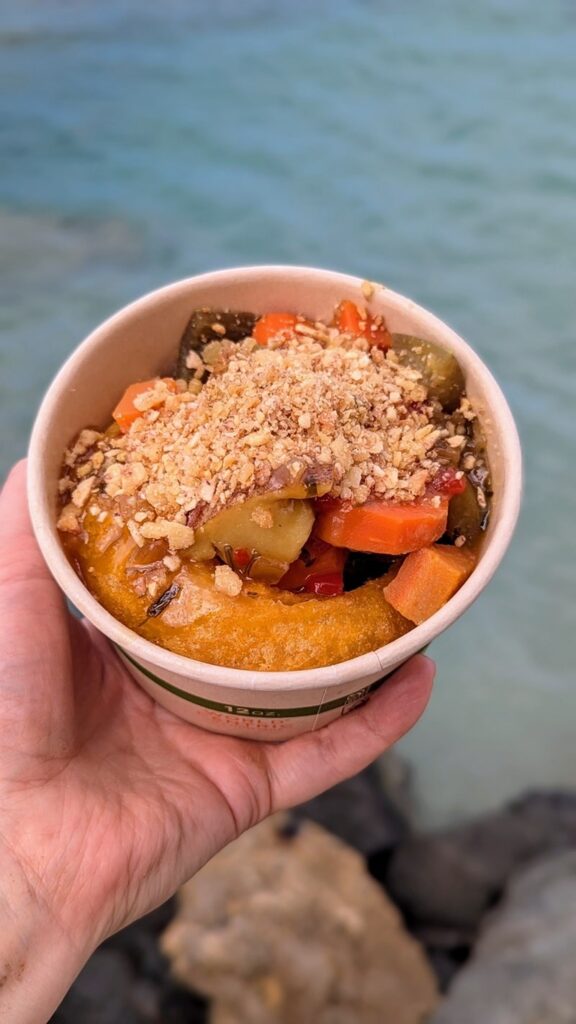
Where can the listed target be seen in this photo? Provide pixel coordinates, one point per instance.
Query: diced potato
(275, 528)
(202, 550)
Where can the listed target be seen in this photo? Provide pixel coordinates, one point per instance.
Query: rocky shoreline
(342, 912)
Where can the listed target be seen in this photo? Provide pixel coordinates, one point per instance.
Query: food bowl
(140, 342)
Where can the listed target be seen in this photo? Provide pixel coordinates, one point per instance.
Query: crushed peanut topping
(153, 398)
(81, 493)
(172, 562)
(226, 581)
(178, 536)
(68, 520)
(263, 518)
(315, 405)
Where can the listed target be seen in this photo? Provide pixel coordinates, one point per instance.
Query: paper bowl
(141, 341)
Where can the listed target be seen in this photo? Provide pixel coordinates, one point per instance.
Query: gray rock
(141, 946)
(145, 998)
(283, 927)
(524, 966)
(449, 879)
(359, 812)
(396, 776)
(178, 1006)
(128, 981)
(101, 993)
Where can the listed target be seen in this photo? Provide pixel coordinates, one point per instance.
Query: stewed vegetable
(206, 326)
(465, 516)
(273, 530)
(441, 372)
(298, 493)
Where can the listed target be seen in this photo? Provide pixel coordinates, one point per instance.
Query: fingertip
(403, 696)
(417, 673)
(428, 661)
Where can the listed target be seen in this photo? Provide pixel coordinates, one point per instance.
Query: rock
(449, 879)
(141, 946)
(444, 965)
(146, 999)
(396, 776)
(101, 993)
(524, 966)
(359, 812)
(128, 981)
(287, 926)
(179, 1006)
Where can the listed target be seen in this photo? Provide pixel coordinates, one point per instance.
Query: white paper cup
(141, 341)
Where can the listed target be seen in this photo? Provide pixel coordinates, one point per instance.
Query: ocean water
(427, 145)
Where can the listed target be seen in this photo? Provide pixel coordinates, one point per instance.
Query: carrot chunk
(427, 579)
(349, 318)
(384, 528)
(272, 324)
(352, 319)
(126, 412)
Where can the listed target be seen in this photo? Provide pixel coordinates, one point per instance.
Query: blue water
(429, 145)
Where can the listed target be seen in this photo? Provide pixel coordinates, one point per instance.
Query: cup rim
(354, 669)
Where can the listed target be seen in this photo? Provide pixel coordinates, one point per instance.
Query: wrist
(39, 958)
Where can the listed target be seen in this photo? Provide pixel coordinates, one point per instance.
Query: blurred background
(430, 146)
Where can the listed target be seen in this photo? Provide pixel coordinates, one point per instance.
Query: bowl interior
(142, 340)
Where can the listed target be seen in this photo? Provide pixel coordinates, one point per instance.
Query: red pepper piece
(327, 503)
(318, 562)
(448, 483)
(242, 557)
(328, 584)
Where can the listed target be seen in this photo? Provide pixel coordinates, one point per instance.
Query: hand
(107, 801)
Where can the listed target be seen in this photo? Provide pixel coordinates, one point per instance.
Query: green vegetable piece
(440, 370)
(205, 325)
(465, 516)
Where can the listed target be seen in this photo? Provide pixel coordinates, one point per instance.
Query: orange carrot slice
(272, 324)
(384, 528)
(349, 318)
(427, 579)
(352, 319)
(126, 412)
